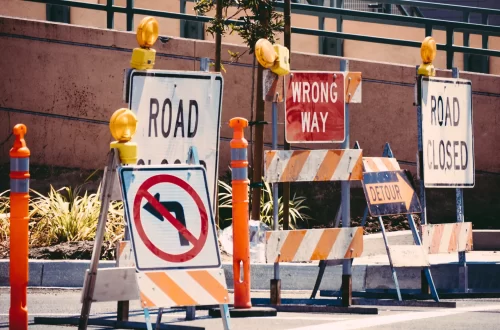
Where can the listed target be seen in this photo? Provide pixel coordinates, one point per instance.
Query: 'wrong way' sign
(315, 107)
(447, 134)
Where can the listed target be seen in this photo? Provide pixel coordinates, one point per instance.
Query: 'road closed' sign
(448, 144)
(177, 110)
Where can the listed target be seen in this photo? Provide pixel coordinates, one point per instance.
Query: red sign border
(168, 178)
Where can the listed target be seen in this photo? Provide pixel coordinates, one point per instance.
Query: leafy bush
(65, 216)
(296, 210)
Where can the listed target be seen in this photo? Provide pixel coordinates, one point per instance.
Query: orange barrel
(19, 219)
(241, 239)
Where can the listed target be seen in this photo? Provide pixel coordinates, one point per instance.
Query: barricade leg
(147, 318)
(393, 270)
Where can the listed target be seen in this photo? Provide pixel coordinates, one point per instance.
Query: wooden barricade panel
(380, 164)
(114, 284)
(314, 244)
(447, 238)
(183, 288)
(408, 256)
(313, 165)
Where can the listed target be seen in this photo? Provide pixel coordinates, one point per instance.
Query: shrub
(65, 216)
(297, 207)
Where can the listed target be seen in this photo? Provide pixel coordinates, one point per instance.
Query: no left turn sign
(169, 217)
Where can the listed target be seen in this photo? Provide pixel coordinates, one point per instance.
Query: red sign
(315, 107)
(197, 242)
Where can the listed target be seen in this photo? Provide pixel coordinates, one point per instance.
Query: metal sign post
(346, 287)
(276, 282)
(274, 91)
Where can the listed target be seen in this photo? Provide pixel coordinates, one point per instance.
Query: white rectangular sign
(448, 143)
(177, 110)
(169, 216)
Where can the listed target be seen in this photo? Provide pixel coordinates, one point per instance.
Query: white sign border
(184, 74)
(344, 74)
(128, 218)
(453, 81)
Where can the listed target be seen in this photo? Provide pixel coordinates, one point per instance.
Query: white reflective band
(239, 154)
(19, 164)
(240, 173)
(19, 185)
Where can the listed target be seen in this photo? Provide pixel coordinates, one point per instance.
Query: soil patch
(68, 250)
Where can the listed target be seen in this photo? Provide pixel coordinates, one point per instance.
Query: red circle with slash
(197, 243)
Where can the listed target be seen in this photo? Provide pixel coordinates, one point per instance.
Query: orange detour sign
(389, 193)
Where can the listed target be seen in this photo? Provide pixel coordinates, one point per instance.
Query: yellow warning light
(428, 52)
(147, 32)
(123, 124)
(274, 57)
(143, 58)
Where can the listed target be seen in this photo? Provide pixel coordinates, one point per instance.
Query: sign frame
(341, 97)
(161, 74)
(130, 212)
(427, 132)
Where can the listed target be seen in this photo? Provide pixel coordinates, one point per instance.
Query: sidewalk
(371, 271)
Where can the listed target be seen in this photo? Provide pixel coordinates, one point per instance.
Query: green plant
(66, 216)
(258, 20)
(297, 207)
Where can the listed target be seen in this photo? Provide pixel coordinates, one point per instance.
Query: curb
(482, 276)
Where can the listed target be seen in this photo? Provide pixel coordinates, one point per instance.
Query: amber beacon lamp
(428, 53)
(123, 124)
(143, 57)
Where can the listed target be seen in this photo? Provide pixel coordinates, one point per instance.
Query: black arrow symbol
(172, 207)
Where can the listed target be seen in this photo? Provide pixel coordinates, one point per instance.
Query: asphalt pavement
(480, 314)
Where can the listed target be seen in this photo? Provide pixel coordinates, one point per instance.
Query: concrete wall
(300, 43)
(65, 81)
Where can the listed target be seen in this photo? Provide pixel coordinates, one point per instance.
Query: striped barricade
(314, 244)
(313, 165)
(447, 238)
(165, 289)
(183, 288)
(380, 164)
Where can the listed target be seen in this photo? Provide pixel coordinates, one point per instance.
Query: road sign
(448, 144)
(389, 193)
(177, 110)
(315, 107)
(169, 216)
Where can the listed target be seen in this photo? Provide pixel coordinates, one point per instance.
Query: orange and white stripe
(182, 288)
(353, 87)
(380, 164)
(313, 165)
(314, 244)
(446, 238)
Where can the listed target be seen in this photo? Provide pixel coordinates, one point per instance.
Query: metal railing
(340, 14)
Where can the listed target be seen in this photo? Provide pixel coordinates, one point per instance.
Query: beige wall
(300, 43)
(77, 73)
(65, 81)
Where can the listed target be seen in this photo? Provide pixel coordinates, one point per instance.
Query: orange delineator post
(241, 239)
(19, 219)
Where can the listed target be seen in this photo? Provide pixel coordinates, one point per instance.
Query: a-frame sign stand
(387, 153)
